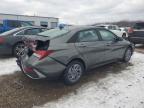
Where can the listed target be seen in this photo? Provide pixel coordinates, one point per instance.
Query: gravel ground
(18, 91)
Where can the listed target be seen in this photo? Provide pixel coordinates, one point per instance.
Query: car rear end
(37, 62)
(136, 33)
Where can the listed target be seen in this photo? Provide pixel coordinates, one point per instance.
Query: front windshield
(10, 31)
(54, 33)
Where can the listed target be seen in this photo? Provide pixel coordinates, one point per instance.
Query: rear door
(115, 48)
(90, 47)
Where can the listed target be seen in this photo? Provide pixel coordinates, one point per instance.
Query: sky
(77, 11)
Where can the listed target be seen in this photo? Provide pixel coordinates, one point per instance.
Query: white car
(115, 29)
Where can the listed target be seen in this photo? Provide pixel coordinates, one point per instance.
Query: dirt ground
(18, 91)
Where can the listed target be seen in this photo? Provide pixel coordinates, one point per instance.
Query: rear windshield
(139, 26)
(54, 33)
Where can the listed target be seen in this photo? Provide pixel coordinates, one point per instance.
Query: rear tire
(127, 55)
(73, 72)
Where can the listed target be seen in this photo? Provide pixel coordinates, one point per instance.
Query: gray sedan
(11, 41)
(70, 52)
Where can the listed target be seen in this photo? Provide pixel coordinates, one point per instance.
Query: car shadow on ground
(18, 91)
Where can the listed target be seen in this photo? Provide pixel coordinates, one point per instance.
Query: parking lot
(116, 85)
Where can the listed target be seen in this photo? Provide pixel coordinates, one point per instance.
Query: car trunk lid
(36, 44)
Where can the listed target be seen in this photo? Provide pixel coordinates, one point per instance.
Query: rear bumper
(35, 69)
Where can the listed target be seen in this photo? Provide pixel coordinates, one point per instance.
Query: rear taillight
(130, 30)
(1, 40)
(43, 53)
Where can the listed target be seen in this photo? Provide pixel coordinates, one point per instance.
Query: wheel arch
(80, 60)
(130, 46)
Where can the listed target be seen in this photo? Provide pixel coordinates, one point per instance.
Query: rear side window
(87, 36)
(107, 35)
(139, 26)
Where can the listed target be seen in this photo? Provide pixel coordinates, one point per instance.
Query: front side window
(107, 35)
(88, 36)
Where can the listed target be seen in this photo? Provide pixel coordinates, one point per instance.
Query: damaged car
(11, 42)
(69, 52)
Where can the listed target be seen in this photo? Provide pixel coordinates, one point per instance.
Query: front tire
(127, 55)
(73, 72)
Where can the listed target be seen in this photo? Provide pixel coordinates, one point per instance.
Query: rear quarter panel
(64, 52)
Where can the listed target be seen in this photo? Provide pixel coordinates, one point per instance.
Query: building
(49, 22)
